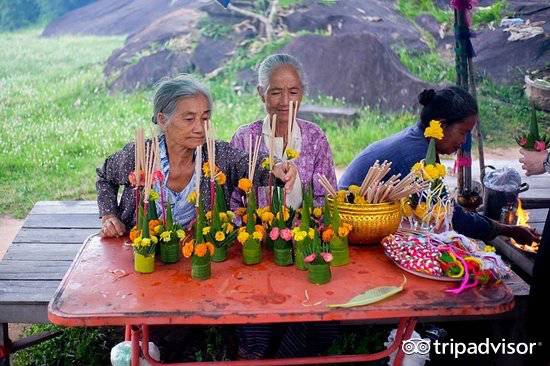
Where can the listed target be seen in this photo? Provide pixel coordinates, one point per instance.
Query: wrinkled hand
(532, 161)
(111, 226)
(286, 172)
(523, 235)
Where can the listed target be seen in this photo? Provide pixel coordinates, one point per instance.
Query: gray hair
(266, 68)
(169, 90)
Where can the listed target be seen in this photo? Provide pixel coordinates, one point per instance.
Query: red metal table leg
(406, 334)
(128, 333)
(136, 335)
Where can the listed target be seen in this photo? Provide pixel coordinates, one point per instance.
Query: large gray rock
(378, 17)
(210, 53)
(150, 69)
(358, 68)
(122, 66)
(115, 17)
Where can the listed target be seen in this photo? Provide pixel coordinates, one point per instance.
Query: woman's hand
(111, 226)
(521, 234)
(286, 172)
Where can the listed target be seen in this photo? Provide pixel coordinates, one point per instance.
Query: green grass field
(58, 121)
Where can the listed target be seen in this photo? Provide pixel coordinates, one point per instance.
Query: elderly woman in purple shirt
(281, 80)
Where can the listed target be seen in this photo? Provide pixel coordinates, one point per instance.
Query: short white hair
(266, 68)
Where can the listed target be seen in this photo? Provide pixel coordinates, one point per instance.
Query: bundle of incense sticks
(211, 150)
(324, 182)
(292, 112)
(374, 190)
(198, 173)
(139, 155)
(253, 152)
(272, 140)
(147, 158)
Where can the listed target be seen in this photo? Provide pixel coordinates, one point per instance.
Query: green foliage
(413, 8)
(213, 29)
(360, 340)
(493, 13)
(428, 66)
(75, 346)
(15, 14)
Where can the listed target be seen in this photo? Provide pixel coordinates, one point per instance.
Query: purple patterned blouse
(315, 154)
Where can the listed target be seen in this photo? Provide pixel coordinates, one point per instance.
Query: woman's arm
(110, 176)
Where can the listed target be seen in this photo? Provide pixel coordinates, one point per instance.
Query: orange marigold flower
(245, 185)
(187, 249)
(327, 235)
(221, 179)
(210, 248)
(134, 233)
(153, 224)
(241, 211)
(200, 250)
(343, 231)
(260, 229)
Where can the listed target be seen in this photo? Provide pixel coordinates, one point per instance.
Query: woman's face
(455, 135)
(284, 86)
(185, 127)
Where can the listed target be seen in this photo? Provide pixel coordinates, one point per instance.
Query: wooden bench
(41, 253)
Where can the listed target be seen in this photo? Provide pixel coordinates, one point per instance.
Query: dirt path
(8, 229)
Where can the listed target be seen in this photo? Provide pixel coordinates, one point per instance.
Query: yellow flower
(266, 163)
(229, 228)
(223, 217)
(205, 230)
(137, 241)
(187, 249)
(209, 215)
(291, 153)
(242, 237)
(421, 210)
(431, 172)
(317, 212)
(311, 233)
(206, 169)
(220, 236)
(145, 242)
(192, 198)
(434, 131)
(354, 189)
(489, 249)
(211, 248)
(154, 239)
(286, 214)
(230, 216)
(267, 217)
(257, 235)
(221, 178)
(200, 250)
(165, 236)
(341, 196)
(418, 168)
(180, 234)
(360, 200)
(153, 196)
(261, 210)
(442, 170)
(300, 235)
(157, 229)
(245, 185)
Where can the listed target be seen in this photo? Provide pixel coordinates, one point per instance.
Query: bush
(75, 346)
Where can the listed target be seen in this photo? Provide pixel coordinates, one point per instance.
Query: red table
(101, 289)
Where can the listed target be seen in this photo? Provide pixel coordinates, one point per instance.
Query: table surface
(101, 288)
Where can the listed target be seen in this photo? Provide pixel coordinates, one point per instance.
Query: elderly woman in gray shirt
(181, 106)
